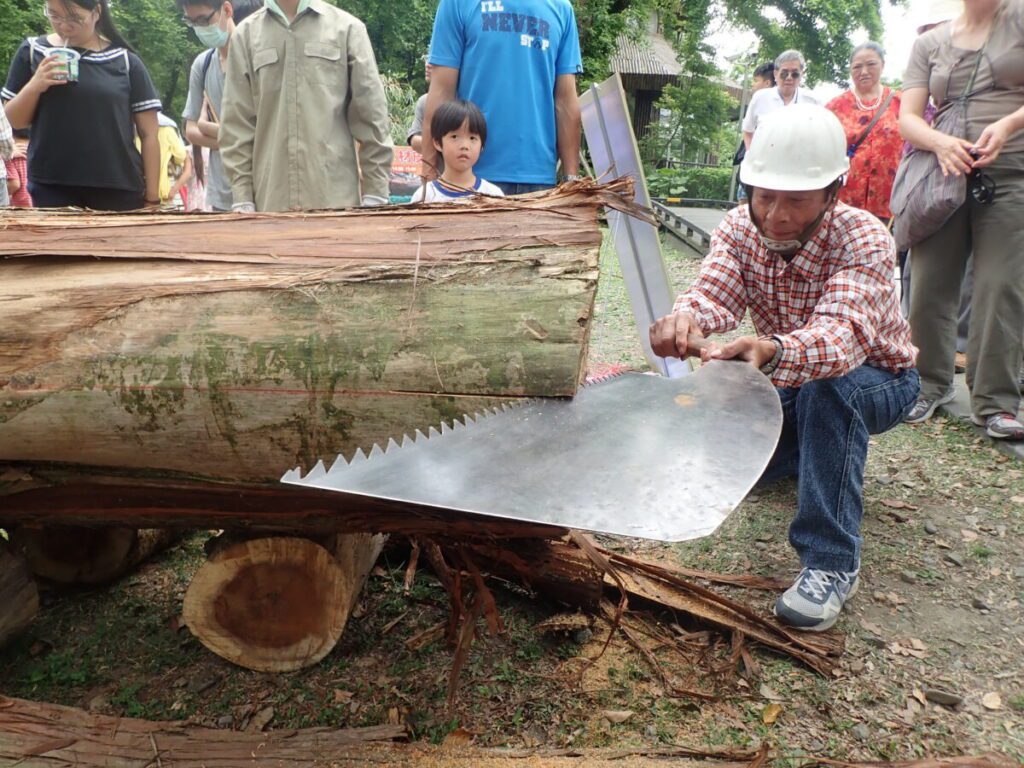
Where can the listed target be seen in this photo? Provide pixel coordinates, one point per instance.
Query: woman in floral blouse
(874, 160)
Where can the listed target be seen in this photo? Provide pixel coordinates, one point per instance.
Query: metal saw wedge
(632, 455)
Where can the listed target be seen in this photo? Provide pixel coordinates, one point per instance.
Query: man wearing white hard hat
(816, 276)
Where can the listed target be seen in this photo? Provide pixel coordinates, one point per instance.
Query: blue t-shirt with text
(509, 53)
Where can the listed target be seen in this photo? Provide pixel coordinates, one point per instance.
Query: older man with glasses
(789, 73)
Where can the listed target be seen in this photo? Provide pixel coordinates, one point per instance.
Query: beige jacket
(297, 100)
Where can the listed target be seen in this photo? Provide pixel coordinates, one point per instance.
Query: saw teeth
(291, 476)
(446, 428)
(317, 472)
(591, 381)
(432, 432)
(419, 436)
(376, 451)
(357, 457)
(339, 463)
(406, 440)
(391, 444)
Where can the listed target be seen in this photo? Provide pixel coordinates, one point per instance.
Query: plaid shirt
(6, 142)
(833, 306)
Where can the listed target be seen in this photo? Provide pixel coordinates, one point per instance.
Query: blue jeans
(515, 188)
(824, 444)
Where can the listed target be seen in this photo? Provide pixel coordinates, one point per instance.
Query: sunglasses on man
(788, 74)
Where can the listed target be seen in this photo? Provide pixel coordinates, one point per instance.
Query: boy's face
(204, 16)
(460, 148)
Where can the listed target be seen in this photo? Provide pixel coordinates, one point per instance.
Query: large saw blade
(634, 455)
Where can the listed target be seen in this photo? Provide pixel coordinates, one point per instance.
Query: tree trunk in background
(19, 598)
(72, 555)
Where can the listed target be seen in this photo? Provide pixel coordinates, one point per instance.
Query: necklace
(862, 105)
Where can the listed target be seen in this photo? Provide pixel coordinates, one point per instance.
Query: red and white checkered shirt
(833, 306)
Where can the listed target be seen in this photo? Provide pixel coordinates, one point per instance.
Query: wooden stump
(72, 555)
(19, 598)
(278, 604)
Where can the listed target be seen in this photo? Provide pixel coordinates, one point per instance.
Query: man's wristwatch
(571, 177)
(772, 364)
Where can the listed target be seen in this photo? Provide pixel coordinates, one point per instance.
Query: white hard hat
(796, 148)
(938, 12)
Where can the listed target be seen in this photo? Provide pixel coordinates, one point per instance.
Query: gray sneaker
(924, 408)
(816, 598)
(1000, 426)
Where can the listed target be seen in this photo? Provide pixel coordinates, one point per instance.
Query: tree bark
(281, 603)
(98, 499)
(33, 735)
(198, 346)
(74, 555)
(19, 598)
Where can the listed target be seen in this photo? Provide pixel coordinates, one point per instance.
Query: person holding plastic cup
(85, 94)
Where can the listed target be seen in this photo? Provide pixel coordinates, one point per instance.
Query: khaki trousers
(995, 234)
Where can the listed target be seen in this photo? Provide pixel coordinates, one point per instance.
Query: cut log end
(72, 555)
(278, 604)
(19, 598)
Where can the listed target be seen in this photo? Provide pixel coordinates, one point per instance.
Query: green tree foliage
(400, 33)
(820, 29)
(20, 18)
(699, 106)
(154, 29)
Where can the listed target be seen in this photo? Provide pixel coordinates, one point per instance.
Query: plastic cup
(68, 58)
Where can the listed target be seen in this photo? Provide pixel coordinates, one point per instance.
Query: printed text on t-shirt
(533, 32)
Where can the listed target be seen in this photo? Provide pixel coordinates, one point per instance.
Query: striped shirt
(833, 306)
(6, 142)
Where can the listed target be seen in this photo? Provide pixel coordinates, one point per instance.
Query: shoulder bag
(922, 198)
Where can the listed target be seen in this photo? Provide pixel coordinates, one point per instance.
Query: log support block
(278, 604)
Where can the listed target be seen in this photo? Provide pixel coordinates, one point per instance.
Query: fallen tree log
(231, 349)
(278, 604)
(75, 555)
(35, 734)
(19, 598)
(99, 498)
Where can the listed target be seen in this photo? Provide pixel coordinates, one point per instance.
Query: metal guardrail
(698, 202)
(680, 226)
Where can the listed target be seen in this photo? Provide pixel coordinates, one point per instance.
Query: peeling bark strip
(33, 734)
(233, 348)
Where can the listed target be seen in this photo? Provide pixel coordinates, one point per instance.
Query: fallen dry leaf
(260, 720)
(457, 738)
(1017, 499)
(898, 504)
(992, 701)
(771, 714)
(770, 694)
(342, 697)
(917, 645)
(968, 535)
(901, 650)
(617, 715)
(872, 628)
